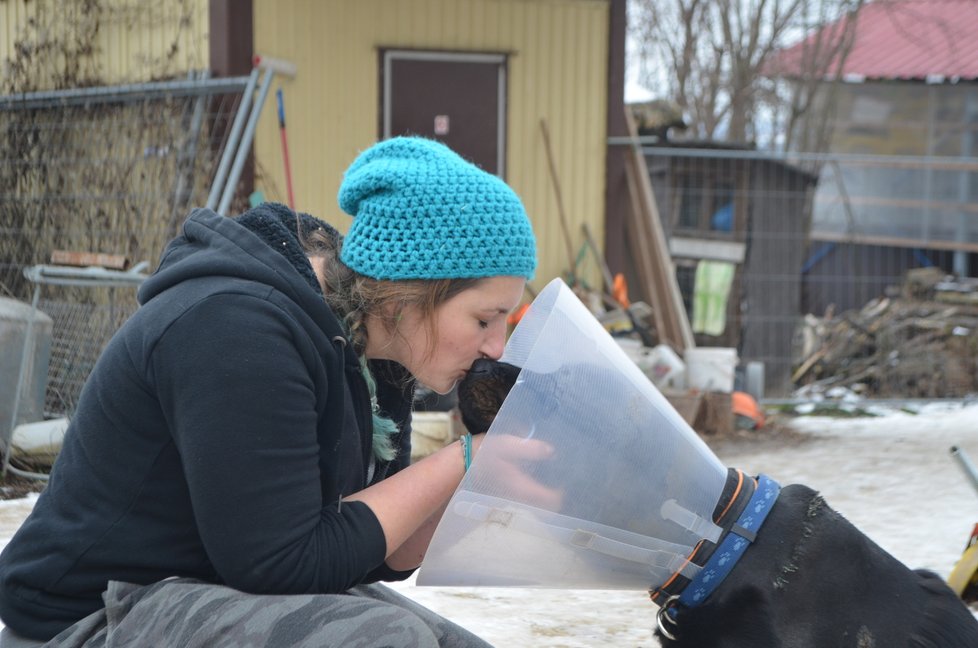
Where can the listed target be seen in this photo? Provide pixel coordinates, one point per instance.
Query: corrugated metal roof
(904, 39)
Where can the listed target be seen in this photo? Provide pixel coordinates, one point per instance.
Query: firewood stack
(919, 342)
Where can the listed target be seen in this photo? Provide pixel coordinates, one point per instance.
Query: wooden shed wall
(131, 40)
(557, 70)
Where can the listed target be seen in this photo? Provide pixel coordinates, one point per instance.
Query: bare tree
(724, 63)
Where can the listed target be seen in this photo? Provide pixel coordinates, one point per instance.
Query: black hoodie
(213, 439)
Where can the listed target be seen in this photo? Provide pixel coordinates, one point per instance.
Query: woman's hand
(513, 460)
(409, 504)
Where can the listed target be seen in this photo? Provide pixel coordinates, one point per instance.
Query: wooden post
(572, 269)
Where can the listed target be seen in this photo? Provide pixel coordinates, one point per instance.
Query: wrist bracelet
(466, 441)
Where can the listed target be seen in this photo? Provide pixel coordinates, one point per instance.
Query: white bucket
(711, 368)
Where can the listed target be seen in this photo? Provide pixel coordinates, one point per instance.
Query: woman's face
(470, 325)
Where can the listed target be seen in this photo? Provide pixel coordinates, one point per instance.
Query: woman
(237, 471)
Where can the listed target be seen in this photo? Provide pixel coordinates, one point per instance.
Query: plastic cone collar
(588, 478)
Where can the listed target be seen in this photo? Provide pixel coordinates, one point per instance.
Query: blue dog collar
(741, 535)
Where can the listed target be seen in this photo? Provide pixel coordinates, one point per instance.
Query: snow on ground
(891, 475)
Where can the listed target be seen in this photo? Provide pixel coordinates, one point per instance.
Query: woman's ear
(390, 317)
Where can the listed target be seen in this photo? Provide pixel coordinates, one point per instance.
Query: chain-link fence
(830, 271)
(109, 170)
(61, 339)
(82, 326)
(834, 271)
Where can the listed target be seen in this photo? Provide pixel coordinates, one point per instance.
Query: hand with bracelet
(507, 463)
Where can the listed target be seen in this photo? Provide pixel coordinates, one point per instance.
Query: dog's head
(482, 392)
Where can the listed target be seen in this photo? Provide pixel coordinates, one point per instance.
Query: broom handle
(285, 147)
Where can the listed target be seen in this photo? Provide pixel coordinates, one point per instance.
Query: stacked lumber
(650, 249)
(919, 342)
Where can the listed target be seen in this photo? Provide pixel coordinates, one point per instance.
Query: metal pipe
(647, 144)
(185, 162)
(27, 474)
(121, 93)
(90, 276)
(242, 153)
(279, 66)
(229, 149)
(966, 465)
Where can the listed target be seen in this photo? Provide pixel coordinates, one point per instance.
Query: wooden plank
(719, 419)
(892, 241)
(919, 205)
(609, 281)
(689, 405)
(564, 227)
(665, 298)
(730, 251)
(638, 244)
(86, 259)
(708, 413)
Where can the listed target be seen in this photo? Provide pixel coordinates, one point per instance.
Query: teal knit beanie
(422, 212)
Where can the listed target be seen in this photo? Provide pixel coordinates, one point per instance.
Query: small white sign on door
(441, 124)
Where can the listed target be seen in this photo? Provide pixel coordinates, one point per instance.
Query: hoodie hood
(260, 245)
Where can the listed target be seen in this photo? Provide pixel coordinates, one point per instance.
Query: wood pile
(919, 342)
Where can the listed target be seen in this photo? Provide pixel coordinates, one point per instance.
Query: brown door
(457, 98)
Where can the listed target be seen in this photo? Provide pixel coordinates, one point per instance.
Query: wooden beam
(648, 239)
(692, 248)
(892, 241)
(86, 259)
(564, 227)
(919, 205)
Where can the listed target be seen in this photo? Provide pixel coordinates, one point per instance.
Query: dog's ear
(482, 392)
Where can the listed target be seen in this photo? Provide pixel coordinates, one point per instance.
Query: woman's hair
(356, 297)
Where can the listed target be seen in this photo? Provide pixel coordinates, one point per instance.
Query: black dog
(482, 392)
(808, 579)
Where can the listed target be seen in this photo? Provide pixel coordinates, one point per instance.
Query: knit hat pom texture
(422, 212)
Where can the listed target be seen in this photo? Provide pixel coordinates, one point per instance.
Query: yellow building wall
(557, 71)
(54, 44)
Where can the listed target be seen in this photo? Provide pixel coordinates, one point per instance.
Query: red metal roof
(904, 39)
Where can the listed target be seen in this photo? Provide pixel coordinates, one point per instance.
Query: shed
(732, 205)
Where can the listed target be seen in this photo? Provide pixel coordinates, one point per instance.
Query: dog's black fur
(810, 580)
(482, 392)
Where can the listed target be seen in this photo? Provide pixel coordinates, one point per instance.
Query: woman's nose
(495, 345)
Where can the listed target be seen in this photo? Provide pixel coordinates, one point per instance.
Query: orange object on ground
(744, 404)
(620, 291)
(515, 317)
